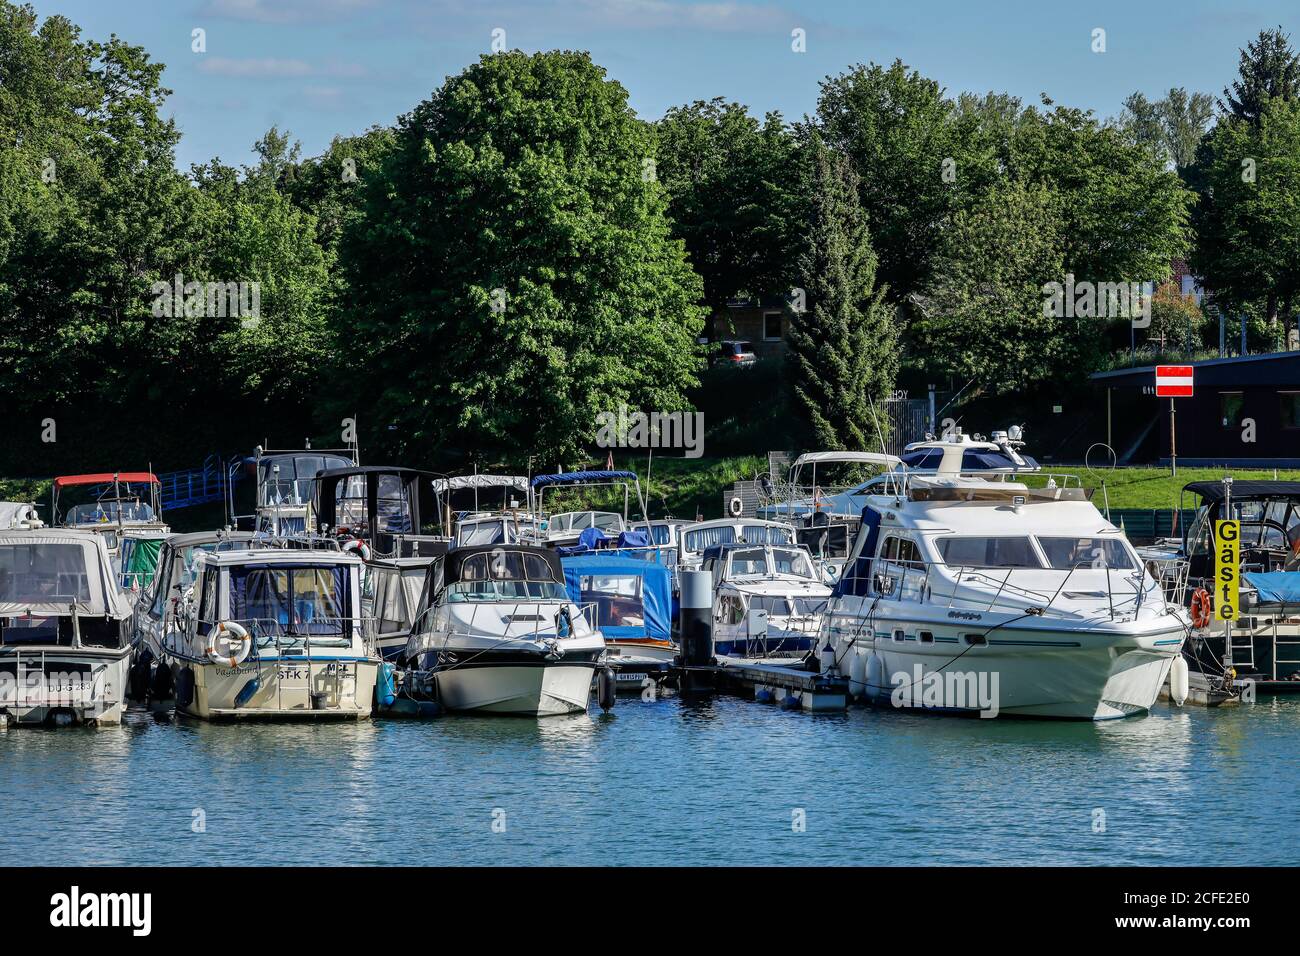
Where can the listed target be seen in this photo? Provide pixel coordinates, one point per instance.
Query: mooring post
(696, 626)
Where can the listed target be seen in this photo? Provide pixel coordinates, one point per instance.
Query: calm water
(665, 782)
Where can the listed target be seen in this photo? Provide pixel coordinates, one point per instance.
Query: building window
(1230, 409)
(771, 326)
(1290, 408)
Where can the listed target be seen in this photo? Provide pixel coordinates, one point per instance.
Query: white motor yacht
(967, 594)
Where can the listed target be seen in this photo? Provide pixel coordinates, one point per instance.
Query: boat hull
(1028, 672)
(320, 689)
(529, 688)
(85, 687)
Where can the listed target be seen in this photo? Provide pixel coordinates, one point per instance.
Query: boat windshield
(985, 552)
(287, 479)
(106, 512)
(781, 606)
(1066, 553)
(291, 599)
(787, 561)
(43, 574)
(392, 504)
(506, 576)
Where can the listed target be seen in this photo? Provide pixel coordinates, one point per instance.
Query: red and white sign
(1173, 381)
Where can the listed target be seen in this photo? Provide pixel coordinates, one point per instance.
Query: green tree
(1248, 216)
(844, 348)
(983, 316)
(896, 126)
(1177, 322)
(731, 191)
(513, 273)
(1268, 69)
(1172, 127)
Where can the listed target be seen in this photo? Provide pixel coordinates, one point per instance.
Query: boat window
(792, 562)
(749, 561)
(483, 532)
(988, 552)
(808, 606)
(901, 551)
(579, 521)
(696, 541)
(773, 604)
(617, 598)
(765, 534)
(608, 521)
(43, 574)
(290, 600)
(1066, 553)
(30, 629)
(658, 533)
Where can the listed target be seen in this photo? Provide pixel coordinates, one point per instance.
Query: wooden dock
(781, 681)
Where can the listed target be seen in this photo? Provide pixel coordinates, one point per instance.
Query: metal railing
(86, 690)
(965, 586)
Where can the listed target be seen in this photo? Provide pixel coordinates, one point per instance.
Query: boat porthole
(976, 640)
(926, 637)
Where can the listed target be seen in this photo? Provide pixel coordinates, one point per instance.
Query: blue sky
(323, 67)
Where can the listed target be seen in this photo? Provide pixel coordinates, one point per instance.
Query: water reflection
(678, 779)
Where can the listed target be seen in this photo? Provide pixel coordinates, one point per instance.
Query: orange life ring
(1201, 608)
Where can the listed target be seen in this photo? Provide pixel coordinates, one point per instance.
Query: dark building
(763, 323)
(1244, 411)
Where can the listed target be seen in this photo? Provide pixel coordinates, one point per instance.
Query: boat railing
(297, 638)
(931, 582)
(492, 614)
(33, 684)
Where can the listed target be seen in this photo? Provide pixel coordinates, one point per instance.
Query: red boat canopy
(106, 478)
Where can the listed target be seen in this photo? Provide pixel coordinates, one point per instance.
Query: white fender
(857, 674)
(227, 630)
(875, 676)
(1178, 682)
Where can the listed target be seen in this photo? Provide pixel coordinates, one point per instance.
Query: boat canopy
(107, 478)
(1275, 587)
(463, 482)
(1212, 492)
(45, 572)
(581, 478)
(846, 457)
(502, 561)
(972, 460)
(633, 597)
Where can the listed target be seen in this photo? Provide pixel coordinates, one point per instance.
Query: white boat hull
(535, 689)
(80, 687)
(1086, 674)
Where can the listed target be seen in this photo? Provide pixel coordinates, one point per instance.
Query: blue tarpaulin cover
(1275, 587)
(623, 590)
(580, 477)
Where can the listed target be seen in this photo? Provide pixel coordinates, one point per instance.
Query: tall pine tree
(844, 347)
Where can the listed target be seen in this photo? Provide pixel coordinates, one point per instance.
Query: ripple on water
(671, 781)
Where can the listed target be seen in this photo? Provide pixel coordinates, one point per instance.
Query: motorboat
(64, 629)
(285, 482)
(698, 537)
(499, 634)
(992, 597)
(565, 528)
(275, 631)
(116, 505)
(806, 495)
(1262, 646)
(630, 599)
(768, 600)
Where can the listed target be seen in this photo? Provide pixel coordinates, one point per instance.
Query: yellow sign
(1227, 570)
